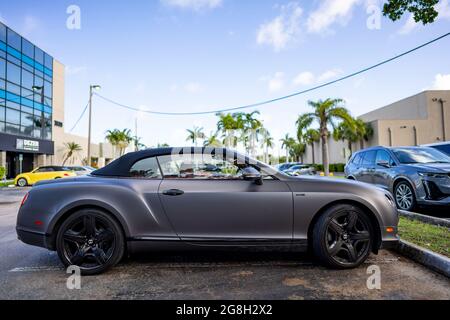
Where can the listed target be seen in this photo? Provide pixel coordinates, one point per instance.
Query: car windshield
(420, 155)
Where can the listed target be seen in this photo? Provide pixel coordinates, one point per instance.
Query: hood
(431, 167)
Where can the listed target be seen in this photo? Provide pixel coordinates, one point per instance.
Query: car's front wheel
(342, 237)
(404, 196)
(91, 240)
(22, 182)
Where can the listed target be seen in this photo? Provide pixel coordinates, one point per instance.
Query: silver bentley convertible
(203, 197)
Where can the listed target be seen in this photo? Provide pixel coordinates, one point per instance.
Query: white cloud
(193, 87)
(441, 82)
(276, 83)
(330, 12)
(30, 24)
(75, 70)
(309, 78)
(304, 79)
(443, 8)
(193, 4)
(328, 75)
(282, 30)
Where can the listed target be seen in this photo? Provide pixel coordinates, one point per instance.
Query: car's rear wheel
(91, 240)
(22, 182)
(404, 196)
(342, 237)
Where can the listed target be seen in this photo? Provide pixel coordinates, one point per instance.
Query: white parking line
(35, 269)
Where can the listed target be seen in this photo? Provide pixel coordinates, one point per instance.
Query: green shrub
(2, 172)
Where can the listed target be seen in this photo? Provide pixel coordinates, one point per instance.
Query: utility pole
(91, 92)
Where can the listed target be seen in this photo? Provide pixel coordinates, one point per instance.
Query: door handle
(173, 192)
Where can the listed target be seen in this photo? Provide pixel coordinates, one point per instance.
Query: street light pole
(91, 88)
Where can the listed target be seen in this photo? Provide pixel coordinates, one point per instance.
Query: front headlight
(434, 175)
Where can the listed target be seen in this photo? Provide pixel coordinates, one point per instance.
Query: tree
(346, 131)
(120, 139)
(326, 113)
(228, 124)
(287, 143)
(364, 131)
(422, 10)
(310, 137)
(71, 148)
(297, 151)
(138, 145)
(212, 141)
(195, 134)
(252, 127)
(266, 143)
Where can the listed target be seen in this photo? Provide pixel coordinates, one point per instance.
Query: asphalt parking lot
(33, 273)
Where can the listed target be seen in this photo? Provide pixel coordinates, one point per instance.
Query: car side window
(369, 158)
(383, 156)
(199, 167)
(41, 170)
(147, 168)
(357, 159)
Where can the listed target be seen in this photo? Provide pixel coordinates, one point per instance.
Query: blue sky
(195, 55)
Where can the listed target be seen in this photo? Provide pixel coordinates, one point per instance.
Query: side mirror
(383, 164)
(251, 174)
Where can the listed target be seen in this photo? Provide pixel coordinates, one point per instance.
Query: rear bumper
(34, 238)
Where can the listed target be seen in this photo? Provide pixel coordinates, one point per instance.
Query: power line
(79, 119)
(262, 103)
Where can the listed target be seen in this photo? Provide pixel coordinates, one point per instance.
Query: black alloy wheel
(342, 237)
(91, 240)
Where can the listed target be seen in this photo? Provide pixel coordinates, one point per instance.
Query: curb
(426, 219)
(429, 259)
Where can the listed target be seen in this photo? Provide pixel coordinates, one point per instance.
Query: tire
(92, 240)
(347, 249)
(22, 182)
(405, 198)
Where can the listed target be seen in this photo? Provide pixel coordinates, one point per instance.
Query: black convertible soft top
(121, 167)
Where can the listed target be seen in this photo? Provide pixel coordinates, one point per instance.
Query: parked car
(415, 175)
(300, 169)
(442, 147)
(81, 170)
(285, 166)
(42, 173)
(162, 198)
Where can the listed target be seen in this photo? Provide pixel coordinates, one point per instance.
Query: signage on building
(27, 145)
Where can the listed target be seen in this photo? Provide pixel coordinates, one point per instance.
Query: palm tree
(71, 149)
(287, 143)
(195, 134)
(212, 141)
(310, 137)
(120, 139)
(364, 131)
(326, 113)
(228, 124)
(346, 131)
(297, 150)
(252, 127)
(138, 145)
(267, 143)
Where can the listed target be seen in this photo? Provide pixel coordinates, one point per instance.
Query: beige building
(418, 120)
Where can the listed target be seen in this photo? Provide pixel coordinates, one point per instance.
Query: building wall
(416, 120)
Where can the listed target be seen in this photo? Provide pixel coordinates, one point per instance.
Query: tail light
(66, 175)
(24, 199)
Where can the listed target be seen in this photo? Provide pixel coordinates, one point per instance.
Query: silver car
(203, 197)
(415, 175)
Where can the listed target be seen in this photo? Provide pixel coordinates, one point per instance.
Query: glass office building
(26, 100)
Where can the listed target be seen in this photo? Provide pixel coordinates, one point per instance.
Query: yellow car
(42, 173)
